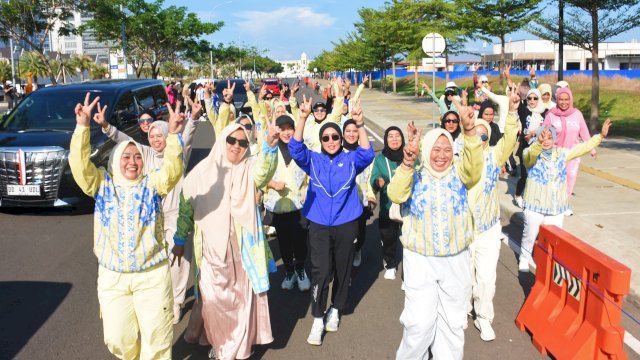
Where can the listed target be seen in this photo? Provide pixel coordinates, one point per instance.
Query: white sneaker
(486, 331)
(333, 320)
(390, 274)
(523, 264)
(315, 336)
(568, 212)
(177, 311)
(212, 354)
(304, 284)
(519, 202)
(271, 230)
(289, 280)
(357, 258)
(402, 287)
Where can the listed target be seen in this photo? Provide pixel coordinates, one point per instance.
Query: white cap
(8, 82)
(484, 78)
(451, 84)
(562, 84)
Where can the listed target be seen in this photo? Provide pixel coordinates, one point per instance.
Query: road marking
(374, 134)
(611, 213)
(615, 179)
(629, 340)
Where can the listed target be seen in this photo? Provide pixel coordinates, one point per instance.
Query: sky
(287, 28)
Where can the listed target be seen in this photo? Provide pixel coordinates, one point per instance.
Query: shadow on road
(24, 307)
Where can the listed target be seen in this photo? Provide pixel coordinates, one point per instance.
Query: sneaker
(402, 287)
(315, 336)
(289, 280)
(357, 258)
(333, 320)
(271, 230)
(304, 284)
(486, 331)
(519, 202)
(568, 212)
(177, 311)
(523, 264)
(390, 274)
(212, 354)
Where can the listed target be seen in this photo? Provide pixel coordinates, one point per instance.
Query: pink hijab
(219, 192)
(563, 114)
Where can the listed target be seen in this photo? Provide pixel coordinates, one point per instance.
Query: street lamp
(124, 45)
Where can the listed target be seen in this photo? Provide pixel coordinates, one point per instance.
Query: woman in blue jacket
(333, 208)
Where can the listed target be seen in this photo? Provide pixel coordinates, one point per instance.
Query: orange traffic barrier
(574, 308)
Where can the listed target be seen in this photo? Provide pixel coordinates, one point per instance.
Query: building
(293, 68)
(544, 55)
(86, 43)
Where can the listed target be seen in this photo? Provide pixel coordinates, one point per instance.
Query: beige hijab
(428, 141)
(218, 191)
(485, 124)
(114, 165)
(163, 127)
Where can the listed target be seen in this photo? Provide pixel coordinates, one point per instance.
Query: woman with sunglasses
(153, 157)
(485, 209)
(333, 208)
(226, 114)
(446, 101)
(350, 140)
(451, 122)
(218, 205)
(531, 114)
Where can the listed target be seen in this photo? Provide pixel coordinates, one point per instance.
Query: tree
(608, 18)
(31, 65)
(498, 18)
(98, 71)
(80, 63)
(5, 71)
(32, 21)
(154, 34)
(172, 69)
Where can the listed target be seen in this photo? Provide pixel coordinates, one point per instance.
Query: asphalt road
(49, 307)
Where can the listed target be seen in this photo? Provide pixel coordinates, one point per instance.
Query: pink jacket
(569, 124)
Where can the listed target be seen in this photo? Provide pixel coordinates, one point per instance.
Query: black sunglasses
(451, 121)
(320, 110)
(148, 120)
(532, 98)
(449, 93)
(248, 126)
(242, 142)
(334, 137)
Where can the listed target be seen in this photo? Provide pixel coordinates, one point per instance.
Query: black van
(35, 137)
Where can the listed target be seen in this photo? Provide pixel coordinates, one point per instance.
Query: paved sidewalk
(607, 193)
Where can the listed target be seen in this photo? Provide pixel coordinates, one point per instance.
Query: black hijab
(393, 155)
(495, 135)
(455, 134)
(284, 148)
(345, 143)
(324, 127)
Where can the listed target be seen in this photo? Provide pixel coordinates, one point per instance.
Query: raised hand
(228, 92)
(196, 109)
(412, 148)
(424, 86)
(356, 113)
(514, 99)
(532, 72)
(507, 69)
(305, 107)
(295, 89)
(605, 128)
(263, 91)
(247, 86)
(544, 135)
(365, 79)
(175, 118)
(99, 117)
(273, 132)
(467, 117)
(83, 112)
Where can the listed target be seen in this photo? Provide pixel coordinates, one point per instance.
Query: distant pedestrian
(545, 92)
(171, 96)
(9, 94)
(446, 101)
(545, 196)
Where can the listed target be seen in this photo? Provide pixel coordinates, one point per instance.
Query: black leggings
(331, 253)
(362, 227)
(523, 170)
(292, 239)
(390, 236)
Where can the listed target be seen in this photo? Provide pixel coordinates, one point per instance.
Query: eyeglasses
(269, 97)
(242, 142)
(485, 82)
(248, 126)
(320, 110)
(449, 93)
(334, 137)
(451, 121)
(532, 98)
(484, 137)
(147, 120)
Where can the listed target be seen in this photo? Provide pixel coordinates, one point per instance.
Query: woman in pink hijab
(570, 126)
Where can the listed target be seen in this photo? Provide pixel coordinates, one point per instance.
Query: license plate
(23, 190)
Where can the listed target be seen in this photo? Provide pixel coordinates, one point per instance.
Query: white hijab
(428, 141)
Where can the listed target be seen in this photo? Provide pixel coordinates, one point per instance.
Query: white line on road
(629, 339)
(374, 134)
(611, 213)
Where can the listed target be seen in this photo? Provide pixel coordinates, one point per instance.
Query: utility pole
(211, 63)
(124, 46)
(561, 40)
(13, 68)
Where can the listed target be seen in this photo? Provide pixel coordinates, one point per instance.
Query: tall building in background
(80, 44)
(295, 67)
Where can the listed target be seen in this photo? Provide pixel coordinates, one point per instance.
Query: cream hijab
(114, 165)
(218, 191)
(485, 124)
(428, 141)
(163, 127)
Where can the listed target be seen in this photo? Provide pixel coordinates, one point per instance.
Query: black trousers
(390, 236)
(362, 228)
(331, 254)
(523, 176)
(292, 239)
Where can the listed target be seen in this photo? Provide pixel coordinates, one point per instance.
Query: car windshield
(49, 110)
(239, 90)
(271, 82)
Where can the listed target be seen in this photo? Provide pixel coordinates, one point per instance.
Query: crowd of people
(308, 171)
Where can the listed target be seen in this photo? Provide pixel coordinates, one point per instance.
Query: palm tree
(98, 71)
(5, 71)
(81, 63)
(31, 64)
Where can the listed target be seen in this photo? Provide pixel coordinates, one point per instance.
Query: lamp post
(124, 46)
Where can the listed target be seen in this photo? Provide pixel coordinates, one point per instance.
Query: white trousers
(179, 272)
(532, 222)
(437, 291)
(485, 251)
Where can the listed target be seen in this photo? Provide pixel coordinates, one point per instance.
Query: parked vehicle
(239, 94)
(35, 137)
(273, 84)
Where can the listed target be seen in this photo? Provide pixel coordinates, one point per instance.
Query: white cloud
(292, 17)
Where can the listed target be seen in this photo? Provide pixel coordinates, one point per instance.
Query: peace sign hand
(175, 118)
(412, 148)
(228, 92)
(295, 89)
(247, 86)
(467, 117)
(424, 86)
(99, 117)
(356, 114)
(514, 99)
(83, 112)
(305, 107)
(273, 132)
(196, 109)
